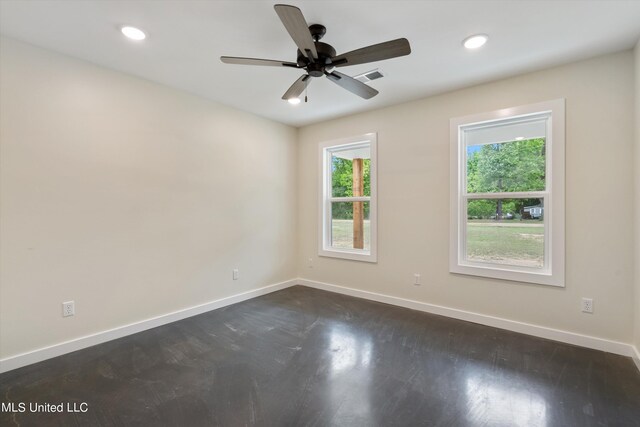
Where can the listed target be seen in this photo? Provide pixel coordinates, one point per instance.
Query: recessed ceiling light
(475, 41)
(294, 101)
(133, 33)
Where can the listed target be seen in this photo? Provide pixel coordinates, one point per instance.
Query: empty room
(320, 213)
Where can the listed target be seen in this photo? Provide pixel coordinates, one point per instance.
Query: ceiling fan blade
(298, 29)
(352, 85)
(256, 61)
(376, 52)
(297, 87)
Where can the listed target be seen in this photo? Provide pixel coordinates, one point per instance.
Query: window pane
(349, 166)
(506, 231)
(509, 157)
(350, 227)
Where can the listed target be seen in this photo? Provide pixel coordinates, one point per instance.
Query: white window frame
(553, 272)
(325, 199)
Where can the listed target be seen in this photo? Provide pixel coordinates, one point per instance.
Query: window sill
(348, 255)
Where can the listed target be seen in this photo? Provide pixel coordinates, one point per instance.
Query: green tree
(481, 208)
(506, 167)
(472, 172)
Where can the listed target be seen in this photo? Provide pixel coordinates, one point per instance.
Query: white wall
(637, 200)
(130, 198)
(413, 186)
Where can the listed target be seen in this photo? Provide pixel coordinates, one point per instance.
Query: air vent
(369, 75)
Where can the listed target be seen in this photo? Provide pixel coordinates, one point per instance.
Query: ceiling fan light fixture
(475, 41)
(293, 101)
(133, 33)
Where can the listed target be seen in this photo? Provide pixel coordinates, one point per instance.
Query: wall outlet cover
(587, 305)
(68, 309)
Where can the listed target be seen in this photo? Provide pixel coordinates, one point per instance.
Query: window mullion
(509, 195)
(350, 199)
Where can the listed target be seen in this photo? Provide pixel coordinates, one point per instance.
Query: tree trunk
(358, 207)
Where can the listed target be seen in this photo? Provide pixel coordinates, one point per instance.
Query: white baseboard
(636, 357)
(497, 322)
(24, 359)
(55, 350)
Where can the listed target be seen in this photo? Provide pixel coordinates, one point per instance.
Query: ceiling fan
(319, 59)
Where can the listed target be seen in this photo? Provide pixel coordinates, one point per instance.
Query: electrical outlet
(236, 274)
(587, 305)
(310, 263)
(416, 279)
(68, 309)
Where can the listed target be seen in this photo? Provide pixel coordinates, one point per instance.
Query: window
(348, 199)
(507, 194)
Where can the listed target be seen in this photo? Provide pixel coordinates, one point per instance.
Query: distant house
(534, 212)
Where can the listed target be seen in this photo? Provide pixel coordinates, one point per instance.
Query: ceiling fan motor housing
(317, 67)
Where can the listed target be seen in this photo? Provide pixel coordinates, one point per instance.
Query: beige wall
(413, 186)
(637, 200)
(130, 198)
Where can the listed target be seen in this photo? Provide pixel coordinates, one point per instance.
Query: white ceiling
(187, 37)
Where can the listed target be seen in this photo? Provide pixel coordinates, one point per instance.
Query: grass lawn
(342, 234)
(515, 243)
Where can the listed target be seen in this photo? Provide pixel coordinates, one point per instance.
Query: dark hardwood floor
(303, 357)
